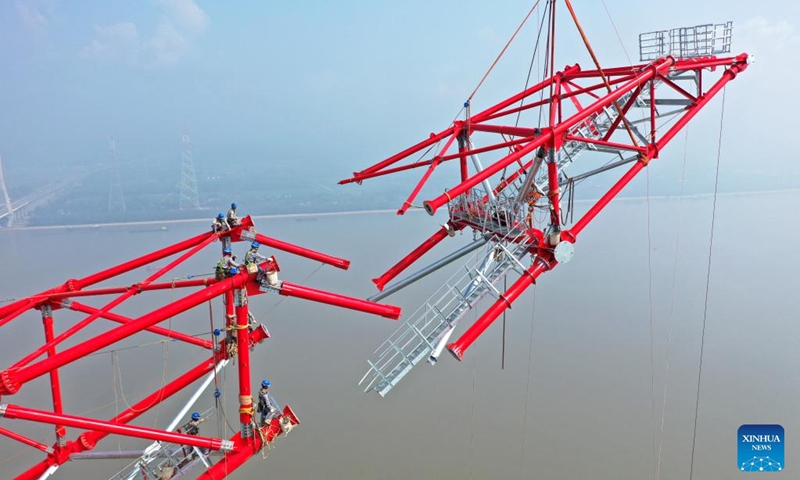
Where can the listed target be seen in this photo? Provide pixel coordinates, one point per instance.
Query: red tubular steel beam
(200, 282)
(729, 75)
(243, 344)
(12, 379)
(23, 439)
(412, 257)
(396, 158)
(244, 449)
(293, 290)
(88, 440)
(548, 135)
(303, 252)
(604, 143)
(133, 290)
(12, 315)
(55, 382)
(461, 345)
(165, 332)
(432, 205)
(143, 260)
(505, 129)
(436, 161)
(16, 412)
(482, 116)
(72, 285)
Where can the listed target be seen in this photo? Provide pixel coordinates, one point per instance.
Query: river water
(575, 399)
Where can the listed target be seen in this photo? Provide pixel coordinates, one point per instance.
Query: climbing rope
(708, 283)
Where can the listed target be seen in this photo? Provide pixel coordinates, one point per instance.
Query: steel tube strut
(461, 345)
(16, 412)
(133, 290)
(79, 284)
(548, 135)
(412, 257)
(303, 252)
(245, 448)
(165, 332)
(12, 379)
(431, 268)
(200, 282)
(55, 382)
(243, 349)
(293, 290)
(23, 439)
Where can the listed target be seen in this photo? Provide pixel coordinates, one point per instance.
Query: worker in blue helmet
(267, 406)
(226, 266)
(233, 220)
(192, 427)
(220, 224)
(252, 257)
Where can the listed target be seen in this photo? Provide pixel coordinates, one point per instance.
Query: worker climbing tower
(172, 454)
(116, 197)
(189, 199)
(535, 148)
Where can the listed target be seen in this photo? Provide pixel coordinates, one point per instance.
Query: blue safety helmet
(195, 416)
(221, 216)
(255, 245)
(234, 270)
(265, 383)
(226, 250)
(233, 205)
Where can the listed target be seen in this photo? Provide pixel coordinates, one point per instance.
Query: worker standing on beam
(233, 220)
(191, 428)
(267, 406)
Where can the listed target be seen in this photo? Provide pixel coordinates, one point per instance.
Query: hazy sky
(341, 83)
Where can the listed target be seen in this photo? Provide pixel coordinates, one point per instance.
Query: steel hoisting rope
(614, 26)
(527, 388)
(672, 306)
(602, 74)
(469, 100)
(652, 323)
(708, 283)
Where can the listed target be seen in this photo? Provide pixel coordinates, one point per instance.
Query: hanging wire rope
(652, 322)
(527, 388)
(503, 51)
(614, 26)
(708, 284)
(672, 306)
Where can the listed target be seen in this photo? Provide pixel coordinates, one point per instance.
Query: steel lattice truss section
(240, 337)
(588, 114)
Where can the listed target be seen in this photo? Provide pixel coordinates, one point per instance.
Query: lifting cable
(708, 282)
(472, 415)
(469, 100)
(527, 388)
(672, 306)
(652, 323)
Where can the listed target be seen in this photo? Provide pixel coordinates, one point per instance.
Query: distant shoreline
(368, 212)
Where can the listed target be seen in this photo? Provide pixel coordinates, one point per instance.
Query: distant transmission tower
(116, 199)
(190, 200)
(6, 198)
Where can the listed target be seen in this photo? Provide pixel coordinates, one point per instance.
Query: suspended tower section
(519, 162)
